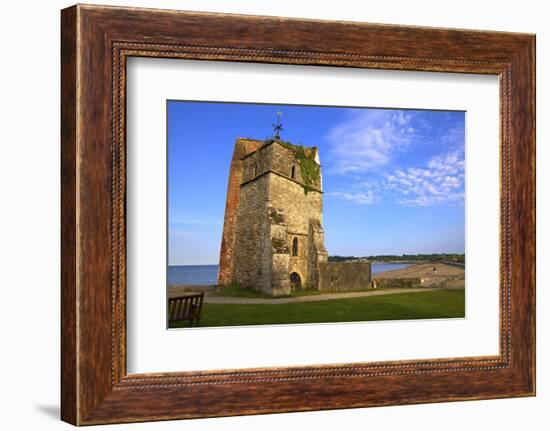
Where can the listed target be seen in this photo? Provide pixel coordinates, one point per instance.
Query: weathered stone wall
(271, 209)
(299, 207)
(299, 263)
(300, 210)
(344, 276)
(253, 245)
(280, 249)
(283, 159)
(317, 252)
(242, 148)
(256, 163)
(384, 283)
(277, 158)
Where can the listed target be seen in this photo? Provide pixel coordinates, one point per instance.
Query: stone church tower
(273, 239)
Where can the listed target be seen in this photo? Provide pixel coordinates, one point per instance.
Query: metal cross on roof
(278, 128)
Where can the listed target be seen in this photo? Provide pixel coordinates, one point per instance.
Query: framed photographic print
(321, 214)
(271, 242)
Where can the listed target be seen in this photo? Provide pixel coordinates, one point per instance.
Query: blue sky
(393, 179)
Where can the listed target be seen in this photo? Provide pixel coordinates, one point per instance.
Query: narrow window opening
(295, 247)
(293, 172)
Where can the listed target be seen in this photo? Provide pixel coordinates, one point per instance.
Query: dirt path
(322, 297)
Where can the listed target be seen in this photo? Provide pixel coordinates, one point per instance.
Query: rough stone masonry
(273, 238)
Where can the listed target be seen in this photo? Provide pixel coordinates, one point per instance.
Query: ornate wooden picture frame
(96, 42)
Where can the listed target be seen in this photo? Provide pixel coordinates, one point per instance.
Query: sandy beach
(430, 274)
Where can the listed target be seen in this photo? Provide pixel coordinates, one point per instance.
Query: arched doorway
(295, 281)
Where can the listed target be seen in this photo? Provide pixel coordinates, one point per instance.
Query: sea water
(208, 274)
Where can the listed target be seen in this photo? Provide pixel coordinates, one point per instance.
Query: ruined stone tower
(273, 239)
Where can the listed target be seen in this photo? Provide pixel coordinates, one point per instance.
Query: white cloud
(442, 181)
(368, 139)
(358, 197)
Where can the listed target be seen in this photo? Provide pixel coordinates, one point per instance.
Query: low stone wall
(344, 276)
(385, 283)
(440, 281)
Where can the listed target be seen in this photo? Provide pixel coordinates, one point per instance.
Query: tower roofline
(286, 145)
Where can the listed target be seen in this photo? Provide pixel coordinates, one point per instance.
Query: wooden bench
(186, 307)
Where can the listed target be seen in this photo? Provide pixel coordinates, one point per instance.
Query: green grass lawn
(417, 305)
(234, 290)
